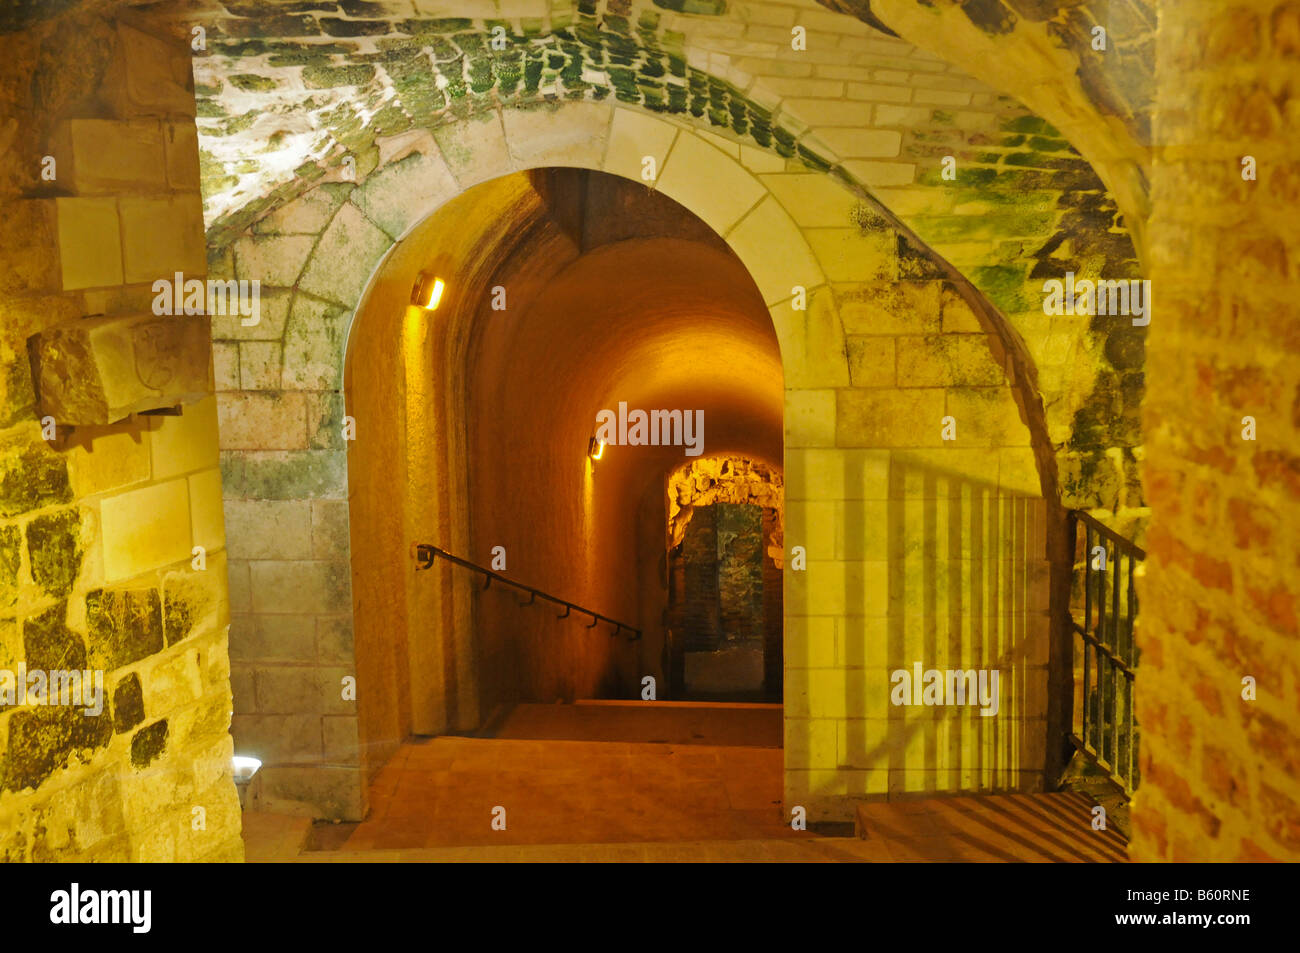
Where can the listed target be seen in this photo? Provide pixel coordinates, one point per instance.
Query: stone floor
(628, 782)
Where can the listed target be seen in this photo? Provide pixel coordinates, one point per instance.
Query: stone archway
(868, 355)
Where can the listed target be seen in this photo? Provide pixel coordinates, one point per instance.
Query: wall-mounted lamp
(427, 292)
(244, 768)
(595, 448)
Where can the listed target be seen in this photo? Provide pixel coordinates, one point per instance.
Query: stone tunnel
(416, 409)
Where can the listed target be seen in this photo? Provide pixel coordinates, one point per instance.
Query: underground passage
(647, 430)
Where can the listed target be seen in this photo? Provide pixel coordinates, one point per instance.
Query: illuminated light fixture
(244, 768)
(595, 448)
(427, 292)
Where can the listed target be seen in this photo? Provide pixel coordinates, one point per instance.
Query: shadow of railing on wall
(954, 579)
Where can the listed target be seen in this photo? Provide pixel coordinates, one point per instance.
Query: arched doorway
(574, 307)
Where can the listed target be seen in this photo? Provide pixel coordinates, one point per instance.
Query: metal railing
(425, 554)
(1106, 733)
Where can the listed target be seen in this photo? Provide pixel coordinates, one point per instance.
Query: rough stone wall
(97, 525)
(1220, 777)
(284, 98)
(752, 590)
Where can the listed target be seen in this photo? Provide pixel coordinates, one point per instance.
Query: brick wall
(1219, 598)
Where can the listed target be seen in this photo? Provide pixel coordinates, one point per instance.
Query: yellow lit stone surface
(690, 177)
(160, 237)
(206, 516)
(90, 246)
(118, 458)
(185, 443)
(145, 529)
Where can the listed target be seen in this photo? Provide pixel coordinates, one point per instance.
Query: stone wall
(725, 575)
(893, 340)
(99, 524)
(284, 100)
(1220, 776)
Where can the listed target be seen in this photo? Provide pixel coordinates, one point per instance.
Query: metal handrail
(425, 554)
(1109, 651)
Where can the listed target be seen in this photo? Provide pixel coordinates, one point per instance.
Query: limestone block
(90, 244)
(871, 361)
(275, 421)
(109, 461)
(318, 791)
(185, 443)
(272, 260)
(269, 529)
(273, 311)
(150, 76)
(301, 586)
(273, 638)
(811, 743)
(96, 371)
(207, 523)
(259, 365)
(775, 252)
(810, 418)
(292, 689)
(863, 642)
(987, 416)
(405, 192)
(476, 149)
(840, 474)
(309, 213)
(345, 257)
(181, 141)
(850, 254)
(162, 236)
(278, 739)
(329, 529)
(145, 529)
(839, 588)
(341, 740)
(633, 136)
(109, 156)
(944, 359)
(171, 681)
(904, 307)
(709, 183)
(570, 135)
(225, 365)
(881, 174)
(314, 340)
(810, 642)
(334, 638)
(890, 418)
(812, 343)
(813, 200)
(863, 143)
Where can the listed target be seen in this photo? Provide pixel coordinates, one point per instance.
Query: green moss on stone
(124, 625)
(54, 551)
(252, 83)
(31, 476)
(148, 744)
(44, 739)
(327, 77)
(49, 644)
(11, 560)
(128, 704)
